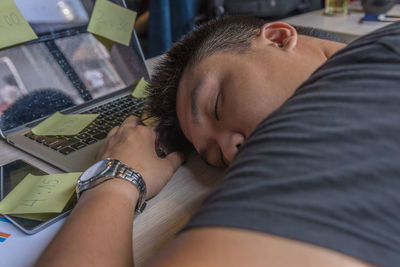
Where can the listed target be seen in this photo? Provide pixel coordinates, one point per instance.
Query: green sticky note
(112, 22)
(140, 89)
(60, 124)
(14, 29)
(40, 197)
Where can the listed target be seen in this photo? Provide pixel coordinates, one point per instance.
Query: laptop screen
(65, 67)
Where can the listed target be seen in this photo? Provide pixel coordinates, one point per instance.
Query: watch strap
(124, 172)
(116, 169)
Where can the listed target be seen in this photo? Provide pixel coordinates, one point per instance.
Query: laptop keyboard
(110, 115)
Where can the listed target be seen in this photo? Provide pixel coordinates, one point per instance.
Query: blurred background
(161, 23)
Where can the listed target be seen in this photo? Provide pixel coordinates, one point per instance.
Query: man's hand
(135, 146)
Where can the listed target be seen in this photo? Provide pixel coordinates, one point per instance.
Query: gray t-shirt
(325, 167)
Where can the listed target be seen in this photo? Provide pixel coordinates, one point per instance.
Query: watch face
(95, 170)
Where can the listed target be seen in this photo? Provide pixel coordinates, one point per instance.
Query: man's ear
(280, 34)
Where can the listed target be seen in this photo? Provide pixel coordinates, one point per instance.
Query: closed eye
(216, 106)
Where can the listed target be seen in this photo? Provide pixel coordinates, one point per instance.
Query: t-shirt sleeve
(325, 167)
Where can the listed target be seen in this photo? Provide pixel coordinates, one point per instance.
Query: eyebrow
(194, 108)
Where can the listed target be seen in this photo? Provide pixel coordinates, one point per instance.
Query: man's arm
(99, 230)
(224, 246)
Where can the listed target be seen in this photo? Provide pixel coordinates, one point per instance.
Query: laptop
(67, 70)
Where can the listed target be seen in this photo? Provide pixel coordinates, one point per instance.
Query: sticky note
(14, 29)
(108, 44)
(40, 197)
(140, 89)
(60, 124)
(112, 22)
(148, 120)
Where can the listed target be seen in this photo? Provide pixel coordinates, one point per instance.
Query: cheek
(245, 117)
(249, 102)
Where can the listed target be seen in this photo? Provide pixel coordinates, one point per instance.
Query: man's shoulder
(366, 57)
(392, 30)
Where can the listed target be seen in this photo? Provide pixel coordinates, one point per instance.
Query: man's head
(221, 80)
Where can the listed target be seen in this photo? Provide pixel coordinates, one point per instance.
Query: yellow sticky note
(14, 29)
(60, 124)
(112, 22)
(37, 195)
(148, 120)
(108, 44)
(140, 89)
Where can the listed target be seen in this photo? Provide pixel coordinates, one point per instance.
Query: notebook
(67, 70)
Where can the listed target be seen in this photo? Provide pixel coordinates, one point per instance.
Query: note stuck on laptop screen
(66, 64)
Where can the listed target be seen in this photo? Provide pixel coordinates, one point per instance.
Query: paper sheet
(14, 29)
(19, 249)
(140, 89)
(112, 22)
(60, 124)
(38, 197)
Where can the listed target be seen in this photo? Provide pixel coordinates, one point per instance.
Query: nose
(230, 145)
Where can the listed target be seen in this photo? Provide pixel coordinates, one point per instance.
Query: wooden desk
(166, 213)
(347, 27)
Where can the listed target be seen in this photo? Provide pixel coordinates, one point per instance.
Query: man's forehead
(183, 92)
(194, 107)
(188, 92)
(183, 104)
(193, 82)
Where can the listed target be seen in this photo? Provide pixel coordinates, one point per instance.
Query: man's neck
(316, 51)
(325, 48)
(330, 48)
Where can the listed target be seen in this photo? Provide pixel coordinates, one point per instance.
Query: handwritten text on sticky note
(60, 124)
(112, 22)
(40, 194)
(140, 89)
(14, 29)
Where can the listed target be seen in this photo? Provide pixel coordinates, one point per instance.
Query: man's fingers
(176, 159)
(131, 121)
(113, 131)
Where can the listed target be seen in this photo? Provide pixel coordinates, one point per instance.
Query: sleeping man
(309, 129)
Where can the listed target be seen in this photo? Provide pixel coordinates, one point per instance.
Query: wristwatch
(106, 169)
